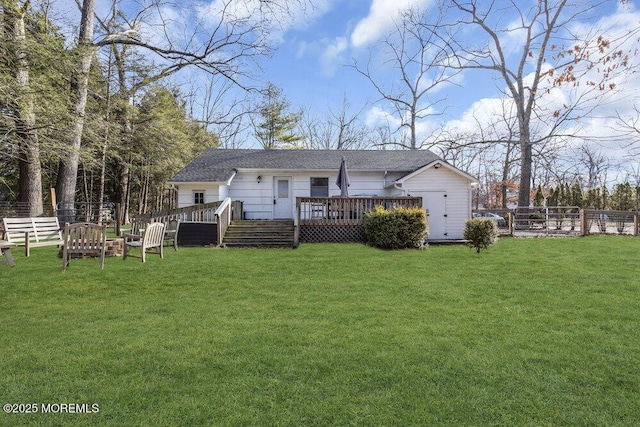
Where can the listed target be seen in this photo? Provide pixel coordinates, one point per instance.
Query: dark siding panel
(197, 234)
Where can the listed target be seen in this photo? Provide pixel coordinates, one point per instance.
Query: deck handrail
(204, 212)
(345, 210)
(223, 218)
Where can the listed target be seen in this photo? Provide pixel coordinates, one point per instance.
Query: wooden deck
(340, 219)
(345, 210)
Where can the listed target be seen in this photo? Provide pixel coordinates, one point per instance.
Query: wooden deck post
(118, 219)
(237, 210)
(53, 201)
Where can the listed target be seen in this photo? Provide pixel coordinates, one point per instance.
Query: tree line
(95, 115)
(623, 197)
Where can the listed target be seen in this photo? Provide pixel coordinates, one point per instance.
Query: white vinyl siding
(258, 199)
(458, 197)
(186, 193)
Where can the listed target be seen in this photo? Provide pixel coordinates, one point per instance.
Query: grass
(530, 332)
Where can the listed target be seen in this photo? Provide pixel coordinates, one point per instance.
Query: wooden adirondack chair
(83, 239)
(171, 233)
(136, 228)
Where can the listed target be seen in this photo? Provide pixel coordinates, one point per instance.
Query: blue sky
(311, 63)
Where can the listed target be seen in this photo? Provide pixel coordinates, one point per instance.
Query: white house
(268, 181)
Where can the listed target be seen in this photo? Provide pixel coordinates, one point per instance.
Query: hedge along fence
(396, 228)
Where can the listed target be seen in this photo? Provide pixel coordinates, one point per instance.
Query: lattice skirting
(331, 233)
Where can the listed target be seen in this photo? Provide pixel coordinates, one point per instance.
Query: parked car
(497, 218)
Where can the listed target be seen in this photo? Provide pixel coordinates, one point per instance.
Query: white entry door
(435, 202)
(282, 198)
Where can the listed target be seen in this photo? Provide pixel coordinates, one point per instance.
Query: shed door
(435, 202)
(282, 198)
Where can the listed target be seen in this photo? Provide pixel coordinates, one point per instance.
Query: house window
(319, 187)
(198, 197)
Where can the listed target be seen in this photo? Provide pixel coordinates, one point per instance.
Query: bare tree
(592, 166)
(221, 111)
(68, 169)
(415, 68)
(340, 130)
(549, 56)
(629, 125)
(225, 41)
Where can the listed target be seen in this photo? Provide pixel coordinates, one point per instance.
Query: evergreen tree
(552, 198)
(33, 79)
(538, 200)
(604, 198)
(591, 198)
(277, 125)
(164, 141)
(577, 198)
(623, 198)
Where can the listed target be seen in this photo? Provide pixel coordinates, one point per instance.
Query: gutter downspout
(235, 171)
(395, 185)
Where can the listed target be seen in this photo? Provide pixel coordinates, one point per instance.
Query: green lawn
(530, 332)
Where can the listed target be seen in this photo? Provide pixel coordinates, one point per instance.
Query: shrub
(481, 232)
(395, 228)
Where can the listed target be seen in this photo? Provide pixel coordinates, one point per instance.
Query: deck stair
(259, 234)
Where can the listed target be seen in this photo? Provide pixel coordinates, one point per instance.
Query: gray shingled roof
(218, 165)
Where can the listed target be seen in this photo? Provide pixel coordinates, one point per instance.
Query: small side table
(5, 249)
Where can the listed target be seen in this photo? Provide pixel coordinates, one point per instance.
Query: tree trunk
(68, 169)
(526, 160)
(505, 174)
(30, 179)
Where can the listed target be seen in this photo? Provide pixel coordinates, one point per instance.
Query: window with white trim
(198, 197)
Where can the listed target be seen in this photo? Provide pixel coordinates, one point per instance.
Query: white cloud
(380, 19)
(377, 116)
(276, 20)
(331, 58)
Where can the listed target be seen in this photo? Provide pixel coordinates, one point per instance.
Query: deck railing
(345, 210)
(204, 212)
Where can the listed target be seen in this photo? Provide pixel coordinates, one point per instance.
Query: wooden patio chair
(83, 239)
(171, 233)
(152, 238)
(136, 228)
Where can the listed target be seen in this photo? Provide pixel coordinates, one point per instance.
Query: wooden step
(259, 233)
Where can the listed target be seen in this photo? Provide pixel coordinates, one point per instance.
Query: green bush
(396, 228)
(481, 232)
